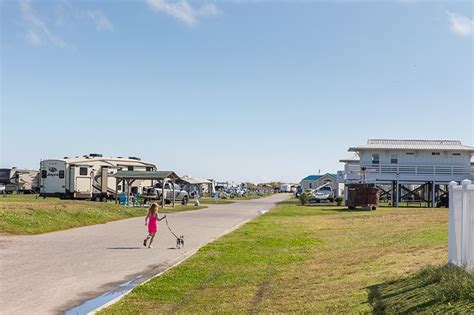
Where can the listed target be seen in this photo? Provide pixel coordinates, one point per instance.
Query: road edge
(185, 257)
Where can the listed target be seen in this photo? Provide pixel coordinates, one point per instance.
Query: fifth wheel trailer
(19, 180)
(89, 176)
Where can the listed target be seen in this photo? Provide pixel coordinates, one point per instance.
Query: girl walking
(152, 221)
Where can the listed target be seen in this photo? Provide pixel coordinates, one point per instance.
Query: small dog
(180, 242)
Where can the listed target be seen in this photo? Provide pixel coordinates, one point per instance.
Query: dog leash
(166, 220)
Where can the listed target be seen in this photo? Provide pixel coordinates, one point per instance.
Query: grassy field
(24, 214)
(213, 201)
(318, 259)
(444, 289)
(229, 199)
(247, 197)
(180, 208)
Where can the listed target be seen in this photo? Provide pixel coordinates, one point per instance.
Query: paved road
(50, 273)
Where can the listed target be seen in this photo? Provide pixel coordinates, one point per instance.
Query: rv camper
(19, 180)
(285, 188)
(89, 177)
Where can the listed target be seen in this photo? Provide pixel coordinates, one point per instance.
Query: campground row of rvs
(86, 177)
(89, 176)
(19, 180)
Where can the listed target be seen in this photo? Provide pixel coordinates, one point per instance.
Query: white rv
(285, 188)
(89, 177)
(19, 180)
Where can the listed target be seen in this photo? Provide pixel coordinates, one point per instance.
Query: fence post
(464, 236)
(452, 248)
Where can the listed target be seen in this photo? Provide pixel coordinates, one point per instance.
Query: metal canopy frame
(198, 182)
(129, 177)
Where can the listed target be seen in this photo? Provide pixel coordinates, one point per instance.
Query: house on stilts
(409, 170)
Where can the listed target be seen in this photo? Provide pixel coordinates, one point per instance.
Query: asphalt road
(51, 273)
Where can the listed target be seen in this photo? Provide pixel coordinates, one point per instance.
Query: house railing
(397, 169)
(461, 225)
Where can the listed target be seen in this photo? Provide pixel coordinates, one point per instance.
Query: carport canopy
(198, 182)
(195, 181)
(152, 175)
(129, 177)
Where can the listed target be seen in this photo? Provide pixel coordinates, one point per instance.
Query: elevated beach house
(409, 170)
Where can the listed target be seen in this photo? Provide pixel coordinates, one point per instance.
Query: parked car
(324, 193)
(180, 195)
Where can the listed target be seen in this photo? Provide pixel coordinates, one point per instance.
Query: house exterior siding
(314, 181)
(435, 161)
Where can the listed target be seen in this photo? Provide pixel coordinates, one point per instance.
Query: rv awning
(195, 181)
(154, 175)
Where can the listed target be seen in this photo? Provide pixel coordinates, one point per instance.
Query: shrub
(305, 197)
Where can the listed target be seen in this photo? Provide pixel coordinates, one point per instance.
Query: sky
(232, 90)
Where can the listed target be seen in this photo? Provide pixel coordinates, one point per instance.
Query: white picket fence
(461, 224)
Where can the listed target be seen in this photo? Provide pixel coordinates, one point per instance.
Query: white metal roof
(394, 144)
(191, 180)
(107, 160)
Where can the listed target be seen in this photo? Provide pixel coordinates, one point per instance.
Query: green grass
(213, 201)
(24, 214)
(443, 289)
(247, 197)
(229, 200)
(316, 259)
(180, 208)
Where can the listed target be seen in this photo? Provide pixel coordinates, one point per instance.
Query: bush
(338, 200)
(304, 198)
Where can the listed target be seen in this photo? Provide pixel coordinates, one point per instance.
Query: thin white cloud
(461, 25)
(38, 31)
(182, 10)
(102, 23)
(33, 38)
(67, 13)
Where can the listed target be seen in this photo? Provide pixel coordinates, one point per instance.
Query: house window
(83, 171)
(44, 174)
(310, 185)
(410, 153)
(435, 153)
(130, 168)
(376, 158)
(61, 174)
(394, 158)
(149, 169)
(457, 154)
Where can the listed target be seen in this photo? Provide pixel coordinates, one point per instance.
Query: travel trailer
(89, 176)
(19, 180)
(285, 188)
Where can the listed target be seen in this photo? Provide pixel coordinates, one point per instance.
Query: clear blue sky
(232, 90)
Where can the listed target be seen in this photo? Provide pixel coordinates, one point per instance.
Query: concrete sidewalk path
(51, 273)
